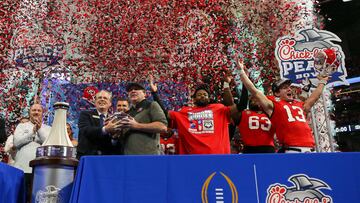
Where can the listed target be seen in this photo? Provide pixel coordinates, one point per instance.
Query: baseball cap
(276, 85)
(134, 85)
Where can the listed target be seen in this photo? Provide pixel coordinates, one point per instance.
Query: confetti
(55, 49)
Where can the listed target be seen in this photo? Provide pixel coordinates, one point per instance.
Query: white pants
(299, 150)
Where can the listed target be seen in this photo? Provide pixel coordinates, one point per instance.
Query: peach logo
(303, 190)
(297, 56)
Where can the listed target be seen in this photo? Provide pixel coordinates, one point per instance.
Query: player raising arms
(256, 131)
(287, 114)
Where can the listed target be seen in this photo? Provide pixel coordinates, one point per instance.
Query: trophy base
(56, 151)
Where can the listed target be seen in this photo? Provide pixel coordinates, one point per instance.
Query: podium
(329, 177)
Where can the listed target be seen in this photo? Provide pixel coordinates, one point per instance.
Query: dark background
(343, 19)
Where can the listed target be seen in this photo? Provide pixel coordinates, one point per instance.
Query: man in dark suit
(95, 135)
(2, 131)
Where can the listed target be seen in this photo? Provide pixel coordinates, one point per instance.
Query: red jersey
(168, 143)
(203, 130)
(256, 129)
(290, 123)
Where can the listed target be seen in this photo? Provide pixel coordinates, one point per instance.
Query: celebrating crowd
(266, 123)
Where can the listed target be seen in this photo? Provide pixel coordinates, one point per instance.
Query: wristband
(241, 71)
(226, 85)
(324, 82)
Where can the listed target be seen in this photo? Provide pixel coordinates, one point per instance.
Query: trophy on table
(55, 163)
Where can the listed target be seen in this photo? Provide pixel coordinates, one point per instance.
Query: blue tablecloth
(12, 185)
(328, 177)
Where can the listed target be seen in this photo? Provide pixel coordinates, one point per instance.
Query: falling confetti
(57, 48)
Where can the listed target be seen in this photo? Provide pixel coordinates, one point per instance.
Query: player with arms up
(287, 114)
(256, 131)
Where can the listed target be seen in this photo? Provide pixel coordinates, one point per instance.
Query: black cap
(134, 85)
(276, 85)
(202, 87)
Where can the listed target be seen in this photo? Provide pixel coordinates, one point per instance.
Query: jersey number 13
(297, 115)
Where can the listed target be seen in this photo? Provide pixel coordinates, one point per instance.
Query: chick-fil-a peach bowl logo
(295, 55)
(303, 190)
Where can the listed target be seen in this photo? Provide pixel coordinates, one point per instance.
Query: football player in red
(255, 127)
(287, 114)
(256, 130)
(168, 142)
(203, 127)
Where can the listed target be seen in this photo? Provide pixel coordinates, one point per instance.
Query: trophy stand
(55, 163)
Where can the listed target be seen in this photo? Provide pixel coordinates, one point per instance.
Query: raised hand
(153, 86)
(323, 77)
(228, 77)
(240, 64)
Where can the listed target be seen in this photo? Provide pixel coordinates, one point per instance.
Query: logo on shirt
(218, 188)
(209, 125)
(303, 189)
(201, 122)
(202, 115)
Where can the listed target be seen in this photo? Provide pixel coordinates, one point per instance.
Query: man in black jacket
(95, 135)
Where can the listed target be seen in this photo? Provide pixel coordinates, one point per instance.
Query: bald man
(28, 136)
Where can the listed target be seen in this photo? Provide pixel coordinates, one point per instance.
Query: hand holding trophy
(326, 62)
(113, 122)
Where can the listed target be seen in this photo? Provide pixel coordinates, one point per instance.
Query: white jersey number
(168, 149)
(300, 114)
(254, 123)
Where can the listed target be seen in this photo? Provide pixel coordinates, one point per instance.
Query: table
(329, 177)
(12, 184)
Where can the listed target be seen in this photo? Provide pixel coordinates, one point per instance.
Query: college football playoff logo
(219, 189)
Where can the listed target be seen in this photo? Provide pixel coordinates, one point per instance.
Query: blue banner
(286, 178)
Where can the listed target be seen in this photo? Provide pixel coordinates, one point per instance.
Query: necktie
(102, 116)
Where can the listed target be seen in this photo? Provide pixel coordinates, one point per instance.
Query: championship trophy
(55, 163)
(326, 62)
